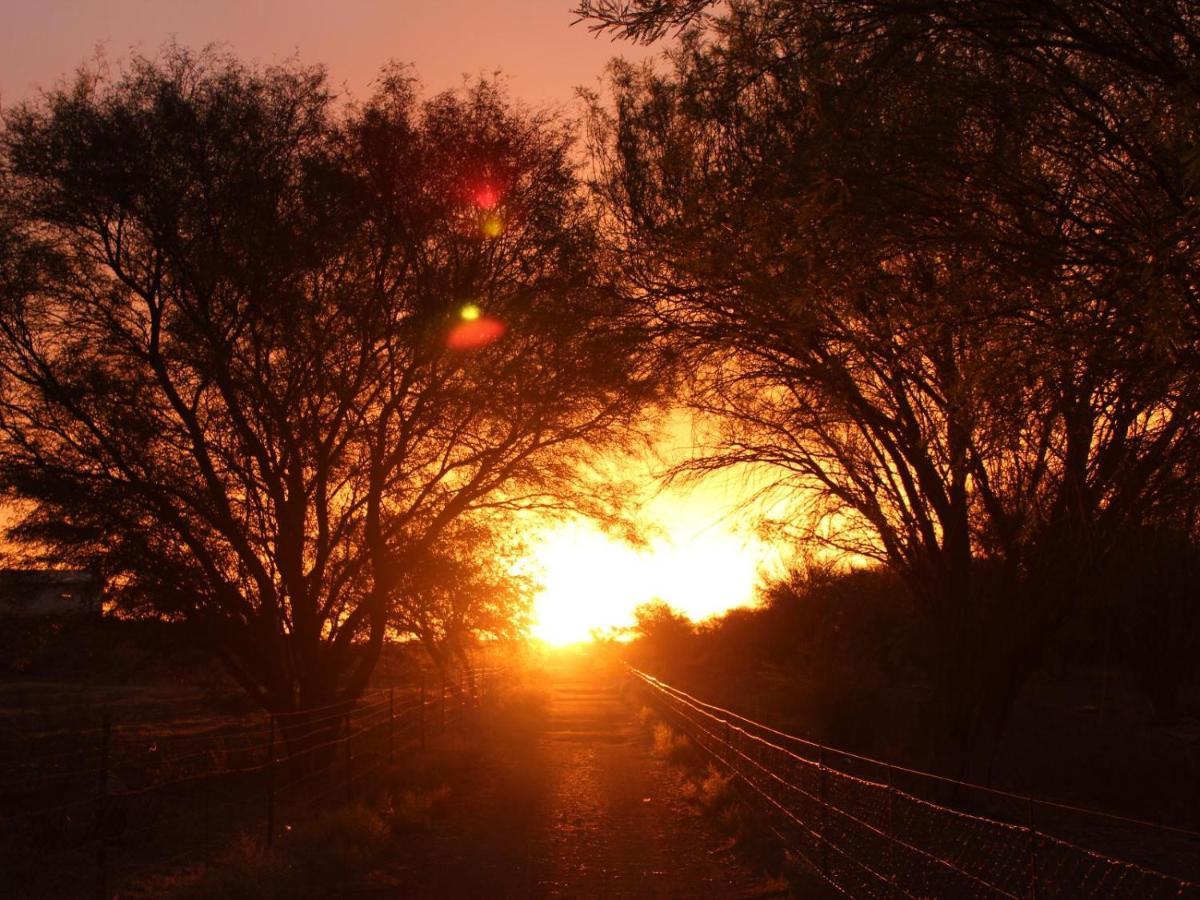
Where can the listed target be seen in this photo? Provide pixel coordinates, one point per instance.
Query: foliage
(227, 378)
(835, 656)
(466, 588)
(934, 269)
(318, 856)
(665, 636)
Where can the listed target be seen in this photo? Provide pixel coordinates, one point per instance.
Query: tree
(261, 350)
(918, 283)
(470, 587)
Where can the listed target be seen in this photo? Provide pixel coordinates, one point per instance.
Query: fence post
(442, 703)
(102, 847)
(391, 725)
(889, 847)
(271, 784)
(1033, 860)
(422, 710)
(349, 758)
(824, 809)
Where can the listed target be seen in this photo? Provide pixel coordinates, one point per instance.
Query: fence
(870, 829)
(87, 810)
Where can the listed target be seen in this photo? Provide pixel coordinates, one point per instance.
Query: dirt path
(572, 804)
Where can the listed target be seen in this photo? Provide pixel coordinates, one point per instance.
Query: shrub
(672, 746)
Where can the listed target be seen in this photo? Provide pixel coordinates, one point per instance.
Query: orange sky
(699, 559)
(532, 41)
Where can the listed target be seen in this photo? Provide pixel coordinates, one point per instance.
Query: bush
(413, 809)
(672, 746)
(311, 861)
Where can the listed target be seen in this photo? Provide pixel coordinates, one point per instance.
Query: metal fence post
(391, 725)
(824, 809)
(271, 784)
(102, 848)
(889, 847)
(1033, 860)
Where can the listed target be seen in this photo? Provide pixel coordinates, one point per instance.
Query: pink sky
(532, 41)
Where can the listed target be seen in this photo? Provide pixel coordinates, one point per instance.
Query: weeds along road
(566, 800)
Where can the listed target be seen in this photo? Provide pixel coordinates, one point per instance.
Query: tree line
(936, 264)
(932, 263)
(243, 370)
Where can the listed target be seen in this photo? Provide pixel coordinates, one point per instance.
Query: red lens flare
(471, 334)
(487, 197)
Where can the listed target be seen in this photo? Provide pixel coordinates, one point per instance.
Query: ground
(572, 803)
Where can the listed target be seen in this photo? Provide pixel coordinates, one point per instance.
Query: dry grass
(672, 746)
(712, 791)
(311, 860)
(414, 809)
(646, 717)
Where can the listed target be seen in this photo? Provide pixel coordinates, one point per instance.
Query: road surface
(572, 803)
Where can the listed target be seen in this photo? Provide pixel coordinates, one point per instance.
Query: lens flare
(471, 312)
(471, 334)
(486, 197)
(492, 227)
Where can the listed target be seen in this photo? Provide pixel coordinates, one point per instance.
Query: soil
(572, 803)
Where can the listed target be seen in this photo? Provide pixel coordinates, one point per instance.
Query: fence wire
(90, 812)
(861, 825)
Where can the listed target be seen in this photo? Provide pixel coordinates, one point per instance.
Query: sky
(699, 561)
(531, 41)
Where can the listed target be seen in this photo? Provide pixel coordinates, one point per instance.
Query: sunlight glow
(592, 582)
(471, 312)
(493, 227)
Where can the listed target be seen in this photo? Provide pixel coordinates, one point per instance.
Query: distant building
(44, 592)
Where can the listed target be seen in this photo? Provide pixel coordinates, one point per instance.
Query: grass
(712, 792)
(415, 808)
(672, 746)
(311, 860)
(323, 856)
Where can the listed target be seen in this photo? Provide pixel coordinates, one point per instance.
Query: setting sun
(593, 583)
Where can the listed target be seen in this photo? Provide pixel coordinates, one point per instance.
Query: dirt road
(570, 803)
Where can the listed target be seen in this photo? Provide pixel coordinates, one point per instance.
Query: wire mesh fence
(872, 829)
(86, 811)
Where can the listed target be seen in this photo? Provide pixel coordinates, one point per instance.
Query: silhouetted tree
(469, 587)
(236, 370)
(934, 292)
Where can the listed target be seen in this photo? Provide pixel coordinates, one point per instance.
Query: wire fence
(88, 811)
(873, 829)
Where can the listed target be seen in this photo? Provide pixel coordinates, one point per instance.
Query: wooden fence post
(102, 847)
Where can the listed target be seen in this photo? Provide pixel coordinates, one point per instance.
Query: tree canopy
(935, 264)
(261, 349)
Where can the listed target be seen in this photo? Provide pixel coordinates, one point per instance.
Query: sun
(593, 583)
